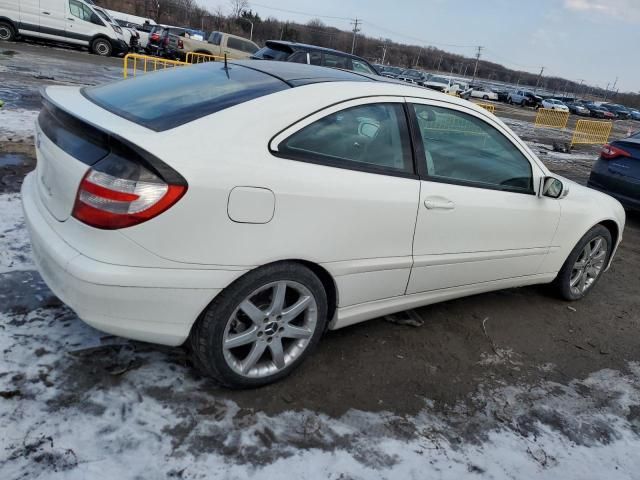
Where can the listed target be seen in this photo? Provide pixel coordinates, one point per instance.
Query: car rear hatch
(627, 166)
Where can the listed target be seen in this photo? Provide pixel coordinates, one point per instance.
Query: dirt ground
(461, 349)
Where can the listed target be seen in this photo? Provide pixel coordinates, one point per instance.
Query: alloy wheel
(589, 265)
(270, 329)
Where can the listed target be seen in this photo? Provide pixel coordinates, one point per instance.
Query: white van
(69, 21)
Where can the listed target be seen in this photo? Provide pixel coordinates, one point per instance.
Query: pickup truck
(524, 98)
(218, 44)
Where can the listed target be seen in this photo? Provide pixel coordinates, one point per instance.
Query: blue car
(617, 171)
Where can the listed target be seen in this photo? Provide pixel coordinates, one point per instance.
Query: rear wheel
(7, 32)
(485, 98)
(102, 47)
(261, 327)
(585, 264)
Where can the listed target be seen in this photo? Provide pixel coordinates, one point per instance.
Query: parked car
(218, 44)
(444, 84)
(635, 114)
(483, 92)
(620, 111)
(312, 55)
(75, 22)
(131, 37)
(553, 104)
(388, 71)
(411, 75)
(617, 171)
(142, 30)
(597, 111)
(578, 109)
(503, 94)
(524, 98)
(318, 217)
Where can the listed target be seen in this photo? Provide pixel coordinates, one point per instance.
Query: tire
(225, 320)
(485, 98)
(522, 103)
(510, 101)
(102, 47)
(7, 32)
(562, 283)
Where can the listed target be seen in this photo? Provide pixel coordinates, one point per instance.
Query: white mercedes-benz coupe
(247, 209)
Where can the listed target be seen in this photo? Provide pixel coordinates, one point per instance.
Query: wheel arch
(100, 36)
(613, 228)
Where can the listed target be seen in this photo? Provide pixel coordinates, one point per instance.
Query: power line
(299, 12)
(421, 40)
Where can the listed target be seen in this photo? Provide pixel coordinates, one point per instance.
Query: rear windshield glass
(268, 53)
(170, 98)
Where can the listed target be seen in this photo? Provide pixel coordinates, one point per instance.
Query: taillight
(117, 193)
(165, 41)
(155, 36)
(180, 44)
(609, 151)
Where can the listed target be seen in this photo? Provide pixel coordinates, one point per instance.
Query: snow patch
(17, 125)
(15, 249)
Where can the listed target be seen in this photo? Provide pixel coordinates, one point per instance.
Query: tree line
(239, 17)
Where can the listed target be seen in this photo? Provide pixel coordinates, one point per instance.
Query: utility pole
(355, 24)
(539, 77)
(384, 51)
(475, 69)
(418, 57)
(439, 62)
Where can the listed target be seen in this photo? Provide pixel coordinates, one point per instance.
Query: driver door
(479, 218)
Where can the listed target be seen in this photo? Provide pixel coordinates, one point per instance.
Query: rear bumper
(157, 305)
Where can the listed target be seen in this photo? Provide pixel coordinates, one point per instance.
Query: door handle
(72, 19)
(46, 13)
(439, 203)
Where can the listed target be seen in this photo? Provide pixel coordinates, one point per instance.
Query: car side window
(360, 66)
(460, 148)
(370, 137)
(298, 57)
(80, 11)
(215, 38)
(249, 47)
(335, 61)
(315, 58)
(234, 43)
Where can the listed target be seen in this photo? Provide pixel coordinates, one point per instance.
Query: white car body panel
(384, 250)
(482, 94)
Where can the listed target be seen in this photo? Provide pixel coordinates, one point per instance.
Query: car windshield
(439, 80)
(161, 101)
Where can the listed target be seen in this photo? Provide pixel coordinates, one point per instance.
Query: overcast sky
(595, 40)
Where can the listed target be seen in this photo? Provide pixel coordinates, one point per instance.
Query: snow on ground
(15, 251)
(79, 404)
(17, 125)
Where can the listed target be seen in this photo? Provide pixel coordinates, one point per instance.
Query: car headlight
(117, 29)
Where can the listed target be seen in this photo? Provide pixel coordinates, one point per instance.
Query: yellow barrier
(551, 118)
(591, 132)
(194, 57)
(487, 106)
(146, 63)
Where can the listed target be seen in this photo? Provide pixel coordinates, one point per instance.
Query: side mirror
(553, 188)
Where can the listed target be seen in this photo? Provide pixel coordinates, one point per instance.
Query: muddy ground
(461, 350)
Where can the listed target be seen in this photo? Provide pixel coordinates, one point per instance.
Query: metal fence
(194, 57)
(487, 106)
(134, 62)
(591, 132)
(551, 118)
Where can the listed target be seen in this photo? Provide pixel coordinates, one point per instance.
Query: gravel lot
(510, 384)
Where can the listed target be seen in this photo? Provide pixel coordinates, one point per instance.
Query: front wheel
(261, 327)
(101, 47)
(585, 264)
(7, 32)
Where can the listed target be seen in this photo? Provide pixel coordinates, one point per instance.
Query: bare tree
(238, 6)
